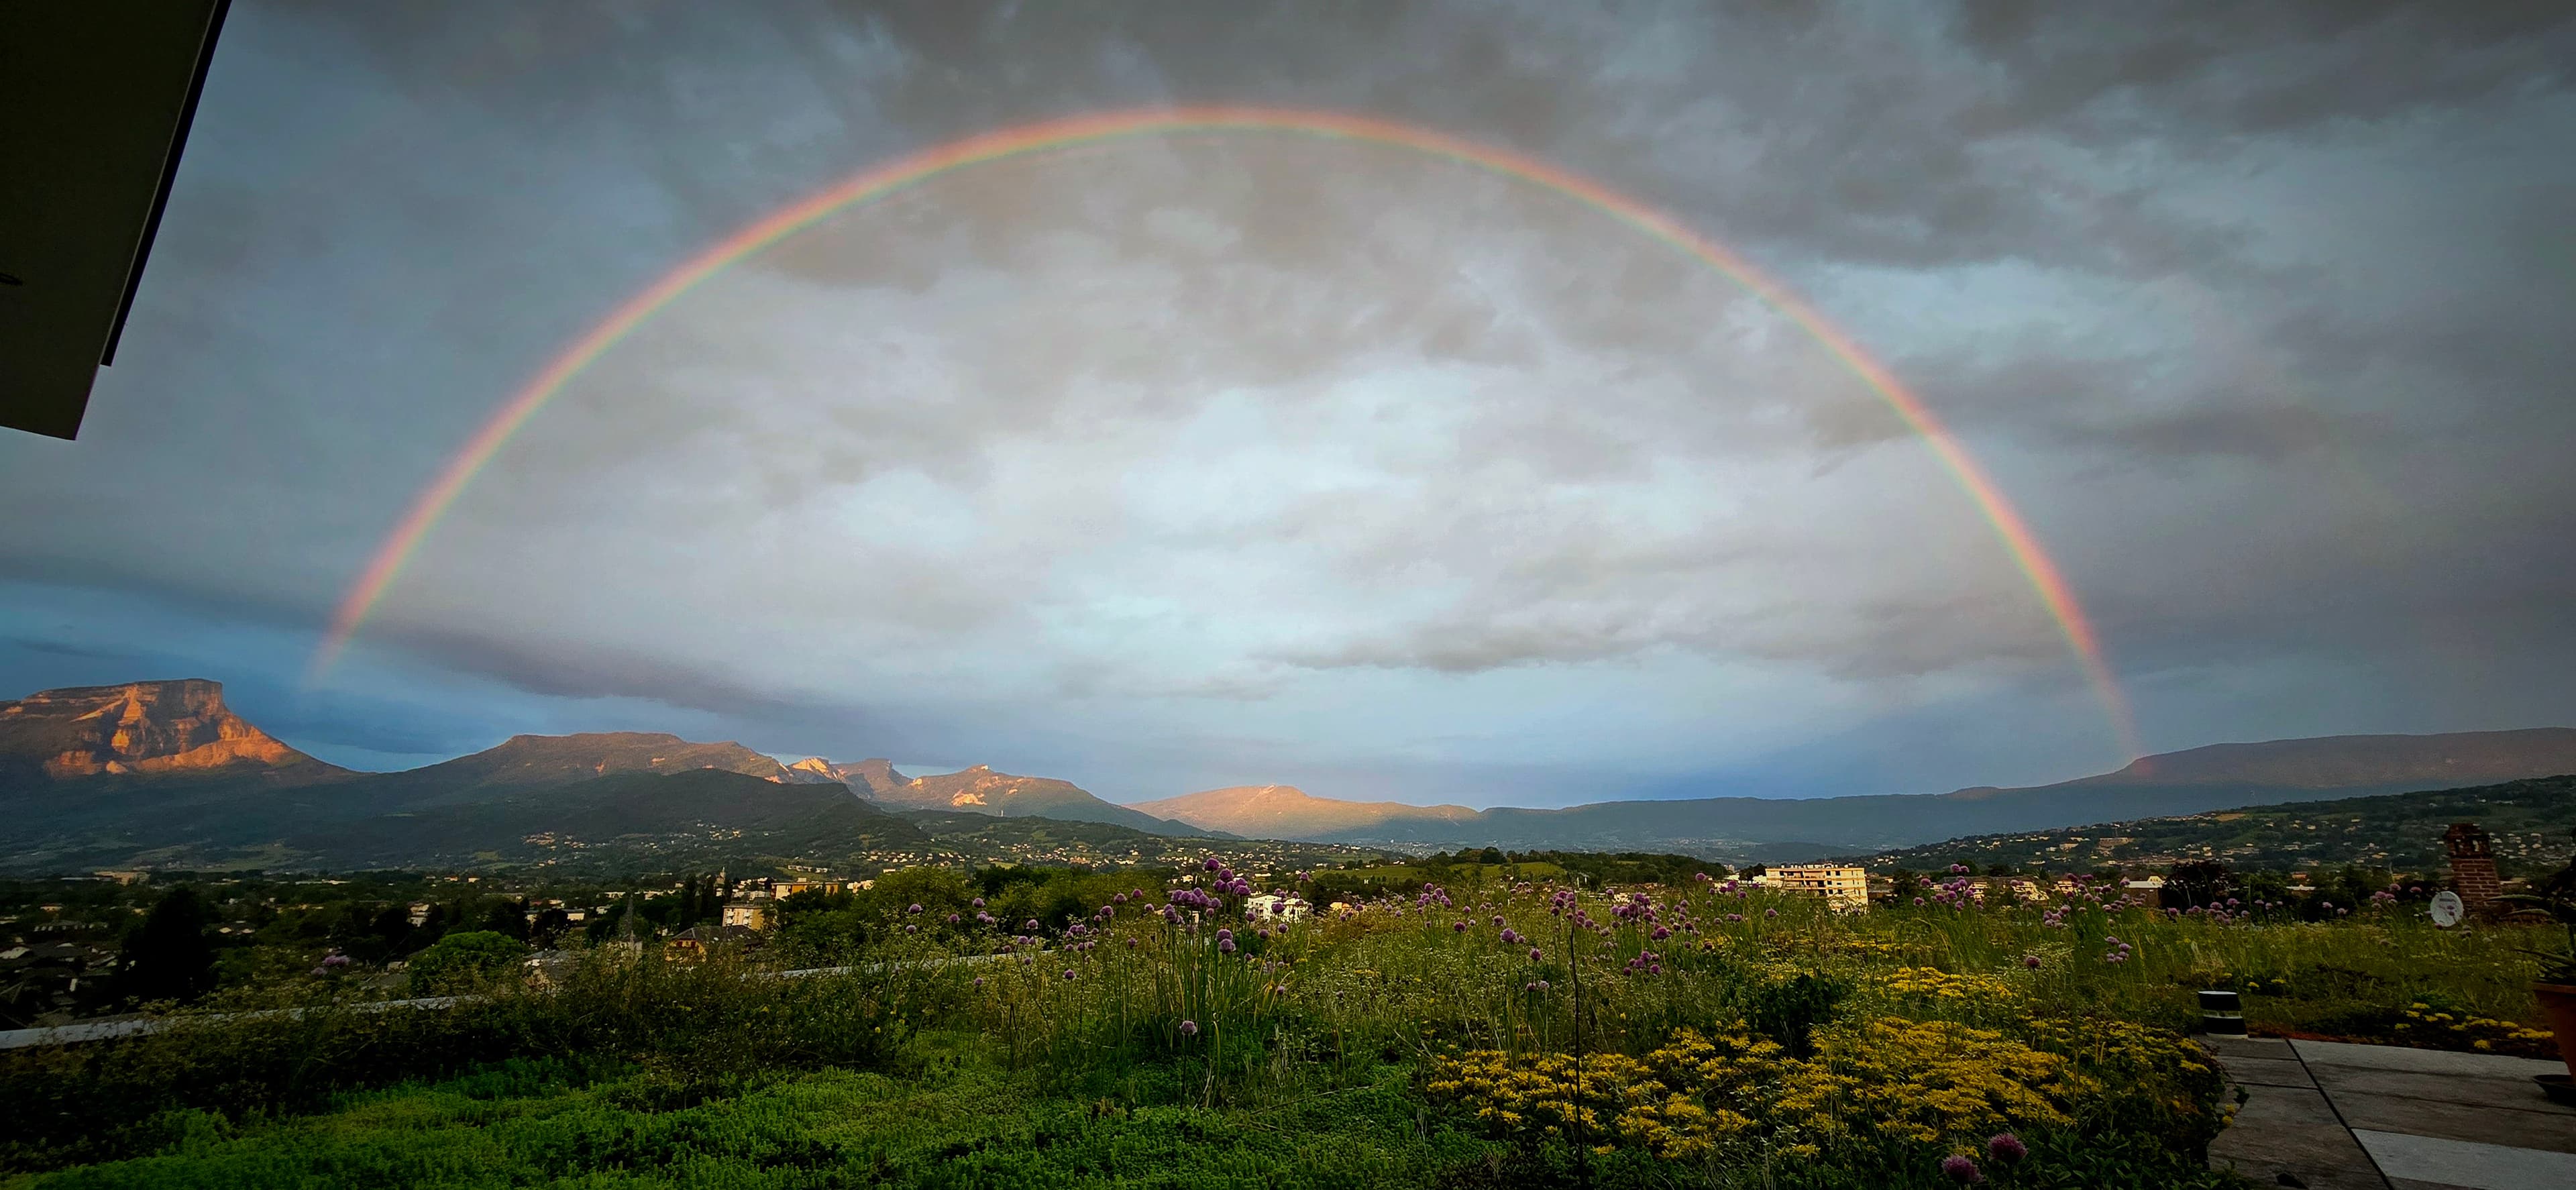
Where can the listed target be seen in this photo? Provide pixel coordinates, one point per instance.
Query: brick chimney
(2473, 870)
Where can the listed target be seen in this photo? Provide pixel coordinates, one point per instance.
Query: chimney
(2473, 870)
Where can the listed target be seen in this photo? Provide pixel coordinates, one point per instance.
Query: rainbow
(452, 479)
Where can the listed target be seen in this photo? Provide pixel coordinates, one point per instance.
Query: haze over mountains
(165, 772)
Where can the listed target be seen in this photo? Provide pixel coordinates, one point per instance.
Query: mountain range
(2217, 777)
(164, 772)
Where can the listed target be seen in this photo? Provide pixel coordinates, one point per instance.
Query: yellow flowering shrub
(1921, 1081)
(2480, 1032)
(1933, 983)
(1927, 1081)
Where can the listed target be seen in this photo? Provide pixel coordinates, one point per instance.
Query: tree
(169, 956)
(461, 960)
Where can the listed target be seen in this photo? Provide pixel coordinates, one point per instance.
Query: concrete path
(2331, 1116)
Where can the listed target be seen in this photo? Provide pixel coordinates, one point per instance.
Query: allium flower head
(2004, 1148)
(1189, 1028)
(1962, 1170)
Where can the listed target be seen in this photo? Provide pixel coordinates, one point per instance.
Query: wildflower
(1457, 927)
(979, 981)
(977, 903)
(915, 907)
(1770, 913)
(1189, 1028)
(2031, 961)
(1225, 945)
(1068, 973)
(1962, 1170)
(1535, 955)
(2004, 1148)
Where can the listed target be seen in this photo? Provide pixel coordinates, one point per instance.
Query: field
(1696, 1034)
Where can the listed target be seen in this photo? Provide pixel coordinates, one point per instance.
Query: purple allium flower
(1498, 921)
(2005, 1148)
(1457, 927)
(1032, 927)
(2030, 960)
(1770, 913)
(1918, 902)
(912, 929)
(1535, 955)
(915, 907)
(977, 903)
(1189, 1028)
(1962, 1170)
(1212, 865)
(1225, 945)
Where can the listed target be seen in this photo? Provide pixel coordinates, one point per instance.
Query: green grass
(962, 1128)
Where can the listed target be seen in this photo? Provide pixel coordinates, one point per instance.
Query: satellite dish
(2446, 909)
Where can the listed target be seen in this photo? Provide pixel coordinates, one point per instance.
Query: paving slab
(2267, 1072)
(2515, 1093)
(2413, 1161)
(2226, 1046)
(2398, 1057)
(2292, 1130)
(2457, 1122)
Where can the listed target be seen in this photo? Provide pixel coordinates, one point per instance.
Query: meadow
(1115, 1032)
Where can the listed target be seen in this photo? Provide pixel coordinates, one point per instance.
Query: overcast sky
(1181, 462)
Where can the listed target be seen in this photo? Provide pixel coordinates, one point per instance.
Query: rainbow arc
(876, 183)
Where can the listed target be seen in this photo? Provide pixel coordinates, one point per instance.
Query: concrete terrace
(2332, 1116)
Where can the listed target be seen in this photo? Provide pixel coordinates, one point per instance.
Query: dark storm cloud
(2254, 309)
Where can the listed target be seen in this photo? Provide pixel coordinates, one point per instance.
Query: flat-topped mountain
(179, 726)
(1287, 812)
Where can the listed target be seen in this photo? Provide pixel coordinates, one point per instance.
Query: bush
(462, 962)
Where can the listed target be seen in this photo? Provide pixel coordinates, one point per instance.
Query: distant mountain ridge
(980, 790)
(2216, 777)
(103, 774)
(164, 772)
(1285, 811)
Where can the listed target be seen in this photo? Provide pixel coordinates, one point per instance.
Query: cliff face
(139, 727)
